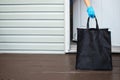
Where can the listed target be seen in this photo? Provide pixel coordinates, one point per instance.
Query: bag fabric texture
(93, 48)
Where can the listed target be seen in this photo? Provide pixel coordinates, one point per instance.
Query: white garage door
(31, 26)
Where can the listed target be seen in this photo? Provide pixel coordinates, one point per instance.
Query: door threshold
(73, 48)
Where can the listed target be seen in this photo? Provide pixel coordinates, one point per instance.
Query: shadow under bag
(93, 48)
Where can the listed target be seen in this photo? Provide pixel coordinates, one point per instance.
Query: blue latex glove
(91, 12)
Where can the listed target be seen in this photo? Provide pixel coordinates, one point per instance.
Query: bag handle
(97, 27)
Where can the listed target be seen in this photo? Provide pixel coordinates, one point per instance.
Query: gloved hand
(91, 12)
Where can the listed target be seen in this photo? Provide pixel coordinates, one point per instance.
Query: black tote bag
(93, 48)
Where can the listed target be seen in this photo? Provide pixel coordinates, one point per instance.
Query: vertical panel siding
(32, 26)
